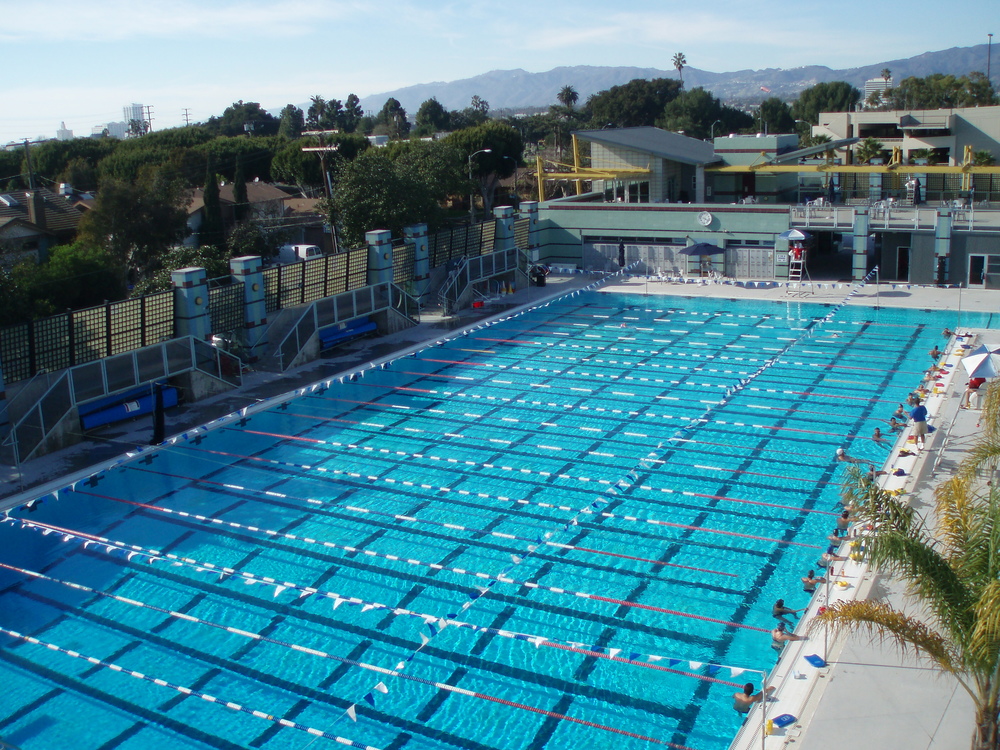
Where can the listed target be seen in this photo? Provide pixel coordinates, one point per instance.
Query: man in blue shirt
(919, 419)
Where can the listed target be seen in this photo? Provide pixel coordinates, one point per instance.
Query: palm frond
(882, 623)
(984, 643)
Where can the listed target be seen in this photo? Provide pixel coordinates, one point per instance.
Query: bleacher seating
(341, 333)
(121, 406)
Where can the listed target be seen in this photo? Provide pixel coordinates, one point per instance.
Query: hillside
(517, 89)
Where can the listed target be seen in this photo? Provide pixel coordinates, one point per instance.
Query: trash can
(539, 279)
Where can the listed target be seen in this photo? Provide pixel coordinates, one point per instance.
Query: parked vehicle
(293, 253)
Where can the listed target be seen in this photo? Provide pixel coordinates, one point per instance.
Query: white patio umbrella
(982, 362)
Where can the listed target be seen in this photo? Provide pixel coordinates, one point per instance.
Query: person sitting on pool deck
(918, 418)
(780, 636)
(810, 580)
(743, 701)
(779, 610)
(973, 387)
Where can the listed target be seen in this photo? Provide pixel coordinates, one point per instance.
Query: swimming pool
(567, 527)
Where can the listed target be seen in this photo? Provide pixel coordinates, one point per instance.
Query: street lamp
(511, 158)
(989, 50)
(472, 196)
(711, 136)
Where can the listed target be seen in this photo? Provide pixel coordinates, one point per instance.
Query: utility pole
(149, 117)
(322, 151)
(187, 117)
(27, 158)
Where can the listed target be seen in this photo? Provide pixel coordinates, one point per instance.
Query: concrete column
(417, 235)
(191, 316)
(942, 245)
(529, 211)
(4, 416)
(379, 256)
(860, 260)
(699, 183)
(248, 270)
(504, 239)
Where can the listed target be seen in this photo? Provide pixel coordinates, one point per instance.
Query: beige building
(945, 132)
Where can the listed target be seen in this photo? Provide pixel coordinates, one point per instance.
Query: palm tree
(886, 75)
(679, 62)
(568, 97)
(868, 149)
(953, 574)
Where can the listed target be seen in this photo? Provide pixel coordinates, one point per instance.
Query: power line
(187, 116)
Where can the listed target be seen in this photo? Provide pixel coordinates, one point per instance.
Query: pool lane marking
(179, 560)
(501, 498)
(443, 459)
(319, 732)
(399, 517)
(189, 691)
(388, 408)
(535, 640)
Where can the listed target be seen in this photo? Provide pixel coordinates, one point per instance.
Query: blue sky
(80, 62)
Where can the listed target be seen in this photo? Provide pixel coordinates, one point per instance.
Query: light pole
(511, 158)
(989, 50)
(472, 195)
(711, 136)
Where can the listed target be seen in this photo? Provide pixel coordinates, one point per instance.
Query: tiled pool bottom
(465, 549)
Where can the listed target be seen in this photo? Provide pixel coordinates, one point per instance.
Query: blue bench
(132, 403)
(331, 336)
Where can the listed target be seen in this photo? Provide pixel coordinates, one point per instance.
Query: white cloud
(118, 20)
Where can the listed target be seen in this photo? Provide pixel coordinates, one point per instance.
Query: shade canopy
(702, 248)
(795, 234)
(982, 362)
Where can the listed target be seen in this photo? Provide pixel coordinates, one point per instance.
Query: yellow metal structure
(579, 174)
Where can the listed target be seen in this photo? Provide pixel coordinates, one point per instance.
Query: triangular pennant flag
(634, 655)
(424, 640)
(278, 590)
(673, 662)
(695, 664)
(337, 602)
(401, 665)
(382, 688)
(613, 652)
(352, 713)
(714, 669)
(370, 698)
(736, 672)
(653, 657)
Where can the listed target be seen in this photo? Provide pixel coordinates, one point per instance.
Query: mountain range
(519, 90)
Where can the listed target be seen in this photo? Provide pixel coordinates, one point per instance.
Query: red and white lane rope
(587, 511)
(188, 691)
(413, 520)
(606, 653)
(413, 562)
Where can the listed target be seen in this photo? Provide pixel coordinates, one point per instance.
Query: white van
(292, 253)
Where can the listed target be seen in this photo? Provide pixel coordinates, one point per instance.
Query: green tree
(211, 230)
(292, 122)
(940, 91)
(440, 164)
(983, 158)
(835, 96)
(568, 97)
(254, 238)
(952, 574)
(868, 149)
(317, 109)
(776, 116)
(214, 260)
(352, 114)
(371, 193)
(694, 111)
(241, 203)
(488, 169)
(244, 118)
(886, 75)
(135, 222)
(679, 62)
(79, 173)
(431, 118)
(638, 102)
(392, 120)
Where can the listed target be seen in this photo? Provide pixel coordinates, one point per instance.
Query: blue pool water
(517, 514)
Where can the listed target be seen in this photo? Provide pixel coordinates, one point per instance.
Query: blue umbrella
(702, 248)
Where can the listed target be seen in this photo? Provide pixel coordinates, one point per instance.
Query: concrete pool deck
(866, 692)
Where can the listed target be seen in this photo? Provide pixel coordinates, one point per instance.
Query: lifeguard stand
(797, 262)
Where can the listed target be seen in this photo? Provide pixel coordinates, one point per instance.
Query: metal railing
(105, 377)
(477, 269)
(339, 309)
